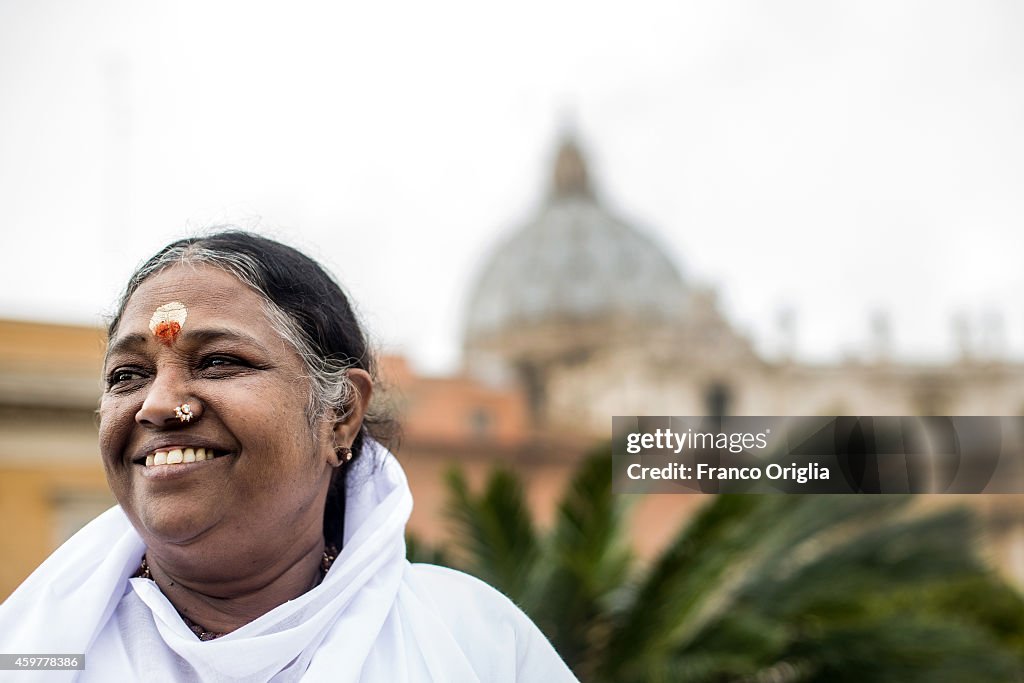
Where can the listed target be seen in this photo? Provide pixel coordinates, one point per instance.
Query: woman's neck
(224, 601)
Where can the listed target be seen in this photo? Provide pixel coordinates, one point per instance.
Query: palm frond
(754, 589)
(586, 560)
(687, 580)
(500, 544)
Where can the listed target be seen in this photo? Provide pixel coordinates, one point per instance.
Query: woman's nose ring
(183, 412)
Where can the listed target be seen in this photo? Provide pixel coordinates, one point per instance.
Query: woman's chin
(176, 524)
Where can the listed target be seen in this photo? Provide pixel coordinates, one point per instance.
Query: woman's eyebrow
(206, 335)
(135, 340)
(127, 343)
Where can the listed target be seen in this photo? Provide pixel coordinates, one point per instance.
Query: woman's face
(267, 471)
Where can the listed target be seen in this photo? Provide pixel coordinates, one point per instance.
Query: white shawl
(375, 617)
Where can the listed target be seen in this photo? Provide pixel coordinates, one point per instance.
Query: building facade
(589, 318)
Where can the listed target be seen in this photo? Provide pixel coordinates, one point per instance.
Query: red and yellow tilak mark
(167, 321)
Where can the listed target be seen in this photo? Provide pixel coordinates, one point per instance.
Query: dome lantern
(570, 175)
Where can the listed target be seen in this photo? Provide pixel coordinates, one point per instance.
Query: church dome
(574, 262)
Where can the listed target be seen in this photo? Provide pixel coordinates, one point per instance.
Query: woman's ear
(349, 419)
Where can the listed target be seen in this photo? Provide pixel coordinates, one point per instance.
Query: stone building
(590, 319)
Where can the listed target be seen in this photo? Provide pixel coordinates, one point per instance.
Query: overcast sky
(833, 159)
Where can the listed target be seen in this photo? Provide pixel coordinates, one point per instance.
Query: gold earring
(344, 454)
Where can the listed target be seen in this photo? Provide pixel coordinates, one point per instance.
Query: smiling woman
(259, 531)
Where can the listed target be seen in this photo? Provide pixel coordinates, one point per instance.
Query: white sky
(831, 158)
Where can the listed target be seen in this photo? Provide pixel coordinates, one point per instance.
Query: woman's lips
(174, 462)
(175, 456)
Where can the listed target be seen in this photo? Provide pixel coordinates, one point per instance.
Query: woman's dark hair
(309, 309)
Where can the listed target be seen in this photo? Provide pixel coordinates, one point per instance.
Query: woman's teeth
(178, 455)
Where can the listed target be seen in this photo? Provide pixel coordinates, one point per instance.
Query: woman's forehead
(190, 294)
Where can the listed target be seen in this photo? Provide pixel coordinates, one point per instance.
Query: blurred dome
(574, 262)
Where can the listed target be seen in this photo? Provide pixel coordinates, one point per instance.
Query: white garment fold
(375, 617)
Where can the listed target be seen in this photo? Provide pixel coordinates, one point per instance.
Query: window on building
(480, 422)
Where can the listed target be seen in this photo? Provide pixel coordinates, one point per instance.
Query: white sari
(375, 617)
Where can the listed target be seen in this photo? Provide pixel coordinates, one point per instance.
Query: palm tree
(771, 588)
